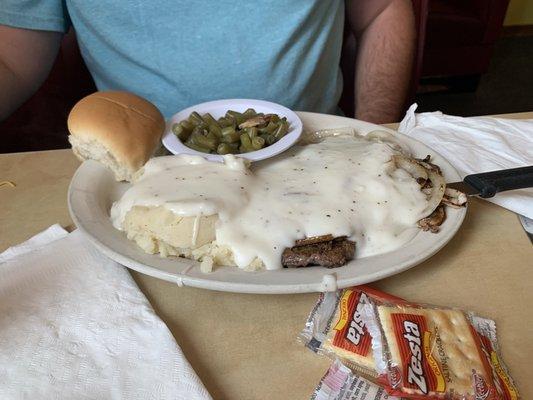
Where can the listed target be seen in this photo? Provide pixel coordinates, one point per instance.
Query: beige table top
(243, 346)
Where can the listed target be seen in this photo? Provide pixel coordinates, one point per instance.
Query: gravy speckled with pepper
(343, 186)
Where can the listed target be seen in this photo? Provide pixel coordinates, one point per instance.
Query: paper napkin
(478, 144)
(74, 325)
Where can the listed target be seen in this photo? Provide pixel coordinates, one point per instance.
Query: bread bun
(118, 129)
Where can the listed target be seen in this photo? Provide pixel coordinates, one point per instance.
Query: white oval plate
(217, 109)
(93, 190)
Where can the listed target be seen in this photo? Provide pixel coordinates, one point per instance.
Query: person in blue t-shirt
(177, 53)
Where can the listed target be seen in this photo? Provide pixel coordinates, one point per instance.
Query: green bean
(197, 148)
(245, 140)
(203, 141)
(186, 125)
(231, 120)
(198, 130)
(258, 143)
(245, 149)
(223, 136)
(234, 114)
(224, 148)
(200, 126)
(178, 130)
(232, 137)
(239, 118)
(269, 139)
(186, 130)
(224, 122)
(195, 118)
(215, 129)
(228, 129)
(234, 147)
(249, 113)
(270, 128)
(214, 138)
(252, 132)
(184, 136)
(209, 120)
(281, 131)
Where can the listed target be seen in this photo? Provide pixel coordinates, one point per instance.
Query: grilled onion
(417, 170)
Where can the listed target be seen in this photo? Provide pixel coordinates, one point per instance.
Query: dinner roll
(119, 129)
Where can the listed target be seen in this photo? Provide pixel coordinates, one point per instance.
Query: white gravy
(343, 186)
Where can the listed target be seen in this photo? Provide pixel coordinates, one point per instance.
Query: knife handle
(490, 183)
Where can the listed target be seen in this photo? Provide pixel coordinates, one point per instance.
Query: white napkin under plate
(74, 325)
(478, 144)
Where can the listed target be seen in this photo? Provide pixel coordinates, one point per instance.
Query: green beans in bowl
(234, 133)
(252, 129)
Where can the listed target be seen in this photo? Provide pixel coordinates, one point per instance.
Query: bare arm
(385, 35)
(26, 57)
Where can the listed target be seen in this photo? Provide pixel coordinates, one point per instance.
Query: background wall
(519, 12)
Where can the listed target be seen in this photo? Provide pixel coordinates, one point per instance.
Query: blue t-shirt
(178, 53)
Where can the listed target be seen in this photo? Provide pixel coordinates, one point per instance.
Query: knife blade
(527, 224)
(463, 187)
(487, 184)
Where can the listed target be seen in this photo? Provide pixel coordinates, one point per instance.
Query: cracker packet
(340, 383)
(335, 328)
(486, 330)
(429, 352)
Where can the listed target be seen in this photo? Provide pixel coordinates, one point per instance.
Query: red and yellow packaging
(426, 352)
(486, 331)
(336, 329)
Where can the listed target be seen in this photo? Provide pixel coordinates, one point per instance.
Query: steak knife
(487, 184)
